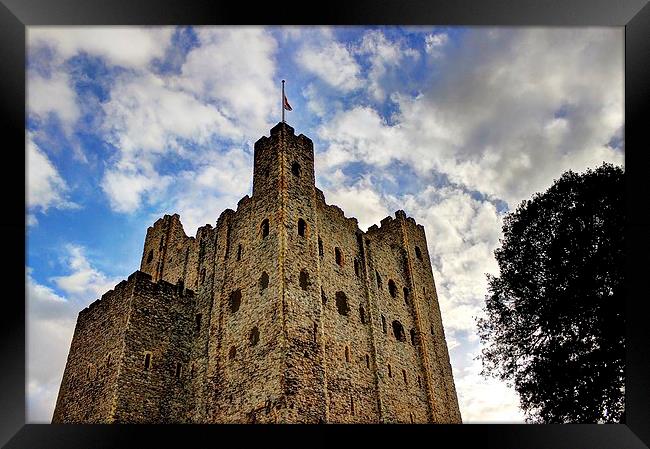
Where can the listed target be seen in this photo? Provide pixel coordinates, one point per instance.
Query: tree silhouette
(554, 318)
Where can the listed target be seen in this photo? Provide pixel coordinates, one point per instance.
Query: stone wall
(294, 315)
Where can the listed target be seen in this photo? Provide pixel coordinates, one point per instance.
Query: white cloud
(433, 43)
(235, 69)
(52, 94)
(484, 122)
(360, 201)
(124, 45)
(332, 62)
(50, 324)
(384, 56)
(45, 187)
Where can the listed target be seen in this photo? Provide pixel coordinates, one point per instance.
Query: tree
(553, 326)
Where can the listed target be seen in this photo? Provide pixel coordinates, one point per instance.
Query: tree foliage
(554, 318)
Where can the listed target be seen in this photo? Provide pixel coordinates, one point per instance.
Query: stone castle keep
(285, 312)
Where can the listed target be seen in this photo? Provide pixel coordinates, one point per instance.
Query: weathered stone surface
(276, 314)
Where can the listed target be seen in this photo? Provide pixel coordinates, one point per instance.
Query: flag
(285, 103)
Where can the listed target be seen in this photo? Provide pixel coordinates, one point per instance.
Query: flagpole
(282, 104)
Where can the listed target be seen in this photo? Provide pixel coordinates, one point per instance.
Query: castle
(285, 312)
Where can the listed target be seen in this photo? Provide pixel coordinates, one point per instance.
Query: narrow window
(404, 375)
(304, 279)
(265, 228)
(162, 242)
(378, 279)
(390, 371)
(302, 227)
(147, 361)
(239, 251)
(418, 253)
(432, 332)
(179, 369)
(367, 361)
(362, 315)
(347, 354)
(108, 360)
(352, 405)
(356, 267)
(322, 296)
(342, 303)
(235, 300)
(197, 320)
(392, 288)
(192, 370)
(295, 169)
(338, 255)
(419, 381)
(406, 295)
(254, 336)
(411, 415)
(413, 337)
(383, 323)
(150, 256)
(88, 373)
(232, 353)
(315, 332)
(202, 275)
(264, 281)
(424, 291)
(321, 252)
(398, 331)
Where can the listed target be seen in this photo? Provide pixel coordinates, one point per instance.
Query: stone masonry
(285, 312)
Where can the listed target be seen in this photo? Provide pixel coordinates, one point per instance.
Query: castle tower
(285, 311)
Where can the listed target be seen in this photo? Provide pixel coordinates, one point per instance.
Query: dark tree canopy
(554, 318)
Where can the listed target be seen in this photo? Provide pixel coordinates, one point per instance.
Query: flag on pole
(285, 103)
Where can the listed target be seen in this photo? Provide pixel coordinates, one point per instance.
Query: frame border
(634, 15)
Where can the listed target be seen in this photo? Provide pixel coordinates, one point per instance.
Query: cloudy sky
(454, 125)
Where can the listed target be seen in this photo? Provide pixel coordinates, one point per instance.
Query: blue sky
(454, 125)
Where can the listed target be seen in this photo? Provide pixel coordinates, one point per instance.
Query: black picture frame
(16, 15)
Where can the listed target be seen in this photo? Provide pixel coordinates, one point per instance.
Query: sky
(456, 126)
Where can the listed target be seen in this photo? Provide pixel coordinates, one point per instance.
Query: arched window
(254, 336)
(295, 169)
(406, 295)
(265, 228)
(418, 253)
(338, 256)
(304, 279)
(302, 227)
(150, 256)
(367, 361)
(240, 249)
(413, 337)
(398, 331)
(392, 288)
(264, 280)
(383, 323)
(390, 371)
(147, 361)
(362, 315)
(342, 303)
(235, 300)
(321, 252)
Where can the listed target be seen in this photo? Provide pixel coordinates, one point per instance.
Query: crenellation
(284, 311)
